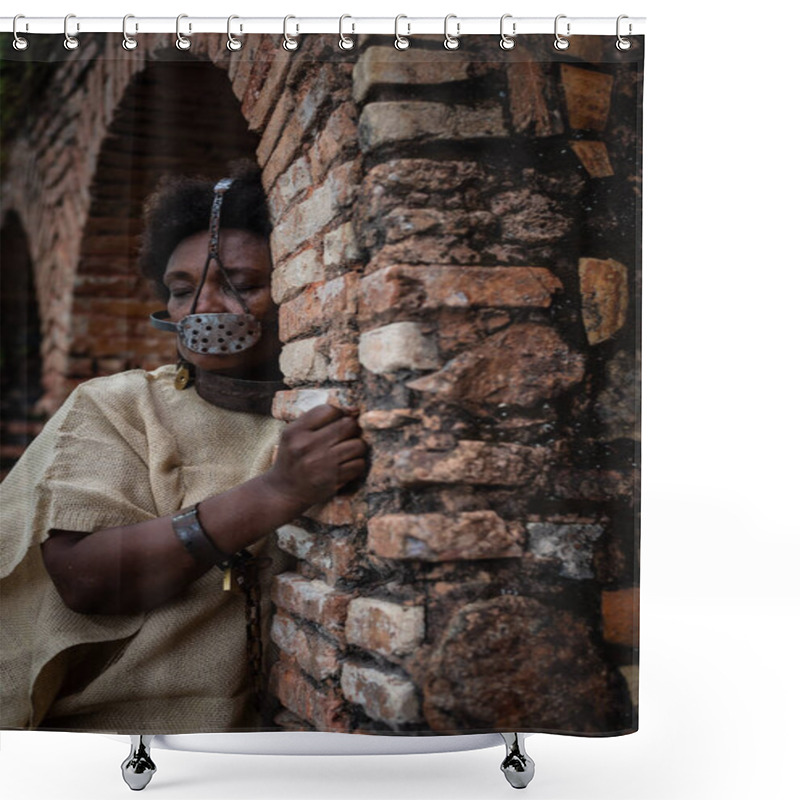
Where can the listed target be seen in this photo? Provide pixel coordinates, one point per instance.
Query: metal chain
(245, 572)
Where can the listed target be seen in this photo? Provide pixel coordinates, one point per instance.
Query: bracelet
(189, 531)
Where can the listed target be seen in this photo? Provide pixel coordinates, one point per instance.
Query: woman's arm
(138, 567)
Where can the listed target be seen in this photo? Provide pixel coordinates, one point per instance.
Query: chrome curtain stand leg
(517, 766)
(138, 768)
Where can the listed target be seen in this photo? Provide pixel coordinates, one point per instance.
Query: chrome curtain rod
(407, 26)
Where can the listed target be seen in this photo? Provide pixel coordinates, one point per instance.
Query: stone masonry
(456, 251)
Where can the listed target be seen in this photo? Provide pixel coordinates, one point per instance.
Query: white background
(720, 603)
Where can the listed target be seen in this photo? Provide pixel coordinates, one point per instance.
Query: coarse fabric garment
(121, 450)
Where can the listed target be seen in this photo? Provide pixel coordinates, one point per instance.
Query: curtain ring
(20, 43)
(401, 42)
(182, 42)
(451, 42)
(128, 42)
(70, 42)
(345, 42)
(233, 43)
(622, 42)
(289, 42)
(507, 42)
(561, 42)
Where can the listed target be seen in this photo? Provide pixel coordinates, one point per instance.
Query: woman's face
(247, 261)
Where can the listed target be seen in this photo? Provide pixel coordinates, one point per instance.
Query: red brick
(324, 708)
(621, 617)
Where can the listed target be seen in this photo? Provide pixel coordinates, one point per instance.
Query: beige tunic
(122, 450)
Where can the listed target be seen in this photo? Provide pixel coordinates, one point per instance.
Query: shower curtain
(455, 250)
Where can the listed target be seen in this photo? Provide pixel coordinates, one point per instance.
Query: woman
(114, 616)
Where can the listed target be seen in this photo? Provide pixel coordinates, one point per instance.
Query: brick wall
(455, 250)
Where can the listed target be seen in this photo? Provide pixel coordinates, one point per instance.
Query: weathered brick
(444, 537)
(344, 365)
(594, 157)
(312, 600)
(588, 96)
(523, 364)
(380, 419)
(533, 99)
(400, 345)
(340, 247)
(621, 617)
(335, 558)
(338, 139)
(400, 289)
(318, 306)
(296, 180)
(302, 221)
(604, 295)
(387, 66)
(386, 628)
(290, 405)
(571, 546)
(313, 653)
(268, 93)
(295, 274)
(337, 511)
(384, 696)
(302, 362)
(419, 121)
(469, 462)
(324, 708)
(531, 218)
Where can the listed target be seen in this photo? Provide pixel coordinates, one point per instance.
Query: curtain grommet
(289, 42)
(623, 44)
(234, 44)
(401, 42)
(128, 42)
(561, 41)
(507, 41)
(20, 43)
(451, 42)
(70, 42)
(346, 42)
(182, 42)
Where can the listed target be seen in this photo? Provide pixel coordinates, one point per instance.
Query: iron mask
(215, 334)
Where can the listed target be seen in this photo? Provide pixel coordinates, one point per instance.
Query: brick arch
(184, 120)
(20, 360)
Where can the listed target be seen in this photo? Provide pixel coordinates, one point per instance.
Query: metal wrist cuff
(188, 529)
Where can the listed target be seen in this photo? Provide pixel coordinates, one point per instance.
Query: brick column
(452, 252)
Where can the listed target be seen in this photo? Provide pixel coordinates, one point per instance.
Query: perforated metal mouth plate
(217, 334)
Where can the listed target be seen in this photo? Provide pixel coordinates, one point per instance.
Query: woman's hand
(318, 453)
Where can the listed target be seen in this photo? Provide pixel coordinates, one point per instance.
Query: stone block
(324, 708)
(314, 654)
(386, 66)
(521, 365)
(621, 617)
(340, 247)
(571, 546)
(302, 362)
(386, 628)
(295, 181)
(604, 297)
(290, 405)
(293, 275)
(594, 157)
(385, 697)
(588, 97)
(401, 289)
(513, 663)
(420, 122)
(319, 306)
(444, 537)
(533, 99)
(400, 345)
(313, 600)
